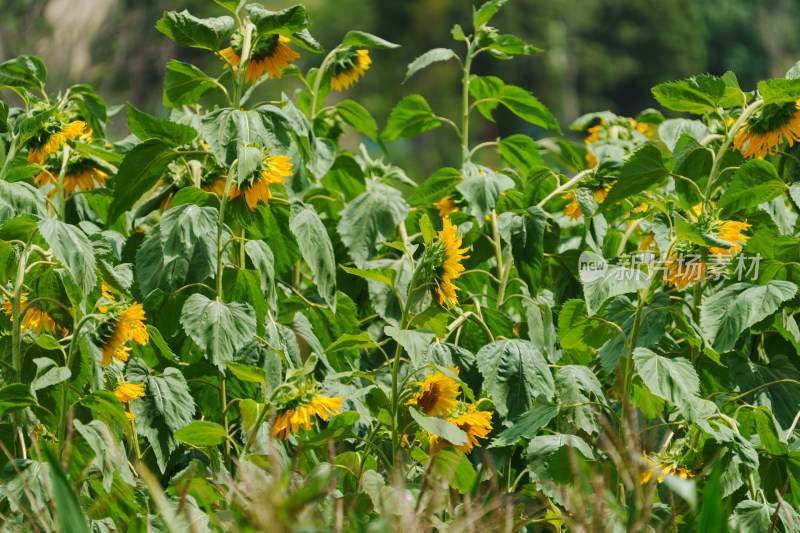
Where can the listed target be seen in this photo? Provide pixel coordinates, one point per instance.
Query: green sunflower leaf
(515, 375)
(73, 249)
(202, 433)
(285, 22)
(166, 407)
(779, 90)
(526, 236)
(440, 184)
(482, 191)
(317, 249)
(141, 169)
(147, 127)
(521, 151)
(753, 183)
(727, 313)
(409, 118)
(674, 380)
(356, 116)
(219, 329)
(187, 30)
(25, 72)
(179, 250)
(360, 38)
(428, 58)
(699, 94)
(439, 427)
(483, 15)
(644, 169)
(371, 219)
(384, 275)
(526, 426)
(414, 341)
(185, 84)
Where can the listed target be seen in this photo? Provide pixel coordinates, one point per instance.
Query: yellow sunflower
(278, 167)
(126, 392)
(437, 395)
(270, 55)
(666, 469)
(731, 231)
(445, 206)
(346, 70)
(44, 144)
(290, 420)
(476, 424)
(129, 326)
(216, 187)
(647, 242)
(451, 268)
(84, 177)
(763, 134)
(35, 319)
(647, 129)
(680, 273)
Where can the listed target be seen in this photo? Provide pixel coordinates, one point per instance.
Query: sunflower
(647, 242)
(270, 55)
(451, 266)
(35, 319)
(680, 274)
(278, 167)
(646, 129)
(129, 326)
(731, 231)
(775, 124)
(126, 392)
(82, 175)
(47, 142)
(290, 420)
(348, 67)
(445, 206)
(437, 394)
(476, 424)
(666, 469)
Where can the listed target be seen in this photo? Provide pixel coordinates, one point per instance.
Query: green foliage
(230, 320)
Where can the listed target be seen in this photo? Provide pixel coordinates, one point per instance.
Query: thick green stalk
(12, 153)
(396, 363)
(63, 402)
(465, 153)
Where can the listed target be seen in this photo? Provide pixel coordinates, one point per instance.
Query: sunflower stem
(12, 153)
(63, 407)
(312, 113)
(246, 45)
(62, 196)
(396, 363)
(729, 136)
(465, 108)
(220, 253)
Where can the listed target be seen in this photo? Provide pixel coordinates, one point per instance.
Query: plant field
(238, 318)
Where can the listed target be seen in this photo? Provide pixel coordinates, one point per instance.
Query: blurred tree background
(597, 54)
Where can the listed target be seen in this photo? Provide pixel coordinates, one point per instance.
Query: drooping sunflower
(270, 55)
(128, 326)
(51, 137)
(731, 231)
(476, 424)
(446, 206)
(276, 169)
(450, 267)
(35, 319)
(647, 242)
(437, 394)
(680, 273)
(290, 420)
(665, 469)
(763, 134)
(347, 67)
(82, 174)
